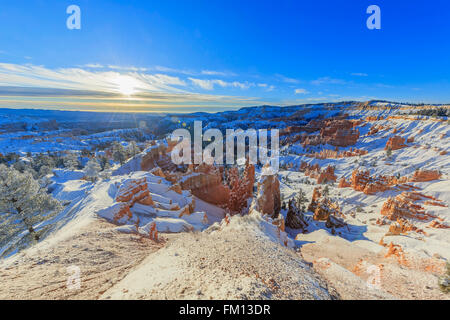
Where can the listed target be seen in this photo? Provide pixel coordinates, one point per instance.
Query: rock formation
(343, 183)
(336, 154)
(322, 207)
(241, 189)
(425, 176)
(403, 206)
(134, 191)
(268, 200)
(314, 172)
(395, 143)
(327, 175)
(206, 183)
(402, 226)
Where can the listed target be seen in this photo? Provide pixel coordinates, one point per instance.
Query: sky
(195, 55)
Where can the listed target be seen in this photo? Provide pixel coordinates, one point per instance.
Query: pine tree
(92, 169)
(133, 149)
(24, 204)
(104, 163)
(301, 201)
(71, 161)
(118, 152)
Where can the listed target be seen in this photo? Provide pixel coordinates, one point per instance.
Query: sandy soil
(349, 268)
(103, 255)
(239, 263)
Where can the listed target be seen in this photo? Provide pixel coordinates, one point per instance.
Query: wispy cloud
(301, 91)
(100, 88)
(327, 80)
(266, 86)
(287, 79)
(94, 66)
(81, 79)
(217, 73)
(359, 74)
(207, 84)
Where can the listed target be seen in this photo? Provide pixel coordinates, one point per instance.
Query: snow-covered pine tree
(118, 152)
(92, 169)
(23, 204)
(71, 161)
(133, 148)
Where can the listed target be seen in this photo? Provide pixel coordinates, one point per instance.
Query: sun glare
(126, 85)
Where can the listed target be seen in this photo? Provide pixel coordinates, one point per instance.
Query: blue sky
(211, 55)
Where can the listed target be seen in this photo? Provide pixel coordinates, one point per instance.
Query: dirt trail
(103, 255)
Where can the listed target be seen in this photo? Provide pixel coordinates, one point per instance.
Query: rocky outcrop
(134, 191)
(327, 175)
(402, 226)
(362, 181)
(338, 133)
(403, 207)
(395, 143)
(268, 200)
(206, 183)
(425, 176)
(336, 154)
(376, 128)
(343, 183)
(158, 156)
(322, 207)
(241, 188)
(314, 172)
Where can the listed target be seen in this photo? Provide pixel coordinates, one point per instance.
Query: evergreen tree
(92, 169)
(118, 152)
(133, 149)
(301, 201)
(24, 203)
(71, 161)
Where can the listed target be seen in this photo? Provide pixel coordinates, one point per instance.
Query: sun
(126, 85)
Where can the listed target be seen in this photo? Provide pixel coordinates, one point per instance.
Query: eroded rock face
(343, 183)
(322, 207)
(364, 182)
(334, 135)
(134, 191)
(314, 172)
(241, 188)
(206, 183)
(336, 132)
(403, 206)
(395, 143)
(317, 194)
(425, 176)
(268, 200)
(327, 175)
(336, 154)
(402, 226)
